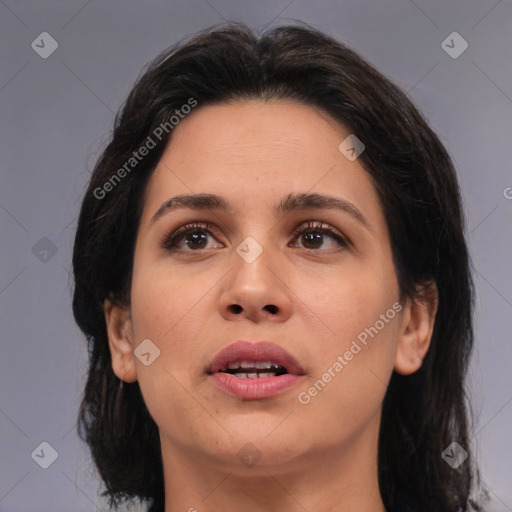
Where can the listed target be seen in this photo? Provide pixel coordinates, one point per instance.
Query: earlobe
(417, 326)
(120, 340)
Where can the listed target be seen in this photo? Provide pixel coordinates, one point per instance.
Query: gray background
(58, 112)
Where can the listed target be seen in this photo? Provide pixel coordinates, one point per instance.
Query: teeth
(263, 365)
(259, 365)
(255, 375)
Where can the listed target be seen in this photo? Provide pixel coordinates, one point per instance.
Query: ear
(417, 325)
(120, 340)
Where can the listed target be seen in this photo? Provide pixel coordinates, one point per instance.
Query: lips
(263, 359)
(254, 371)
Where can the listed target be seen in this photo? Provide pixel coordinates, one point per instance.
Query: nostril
(235, 308)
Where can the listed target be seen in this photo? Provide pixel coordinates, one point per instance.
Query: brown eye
(194, 235)
(314, 234)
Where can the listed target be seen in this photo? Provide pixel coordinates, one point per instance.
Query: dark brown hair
(423, 413)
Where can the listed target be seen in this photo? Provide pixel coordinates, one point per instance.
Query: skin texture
(318, 456)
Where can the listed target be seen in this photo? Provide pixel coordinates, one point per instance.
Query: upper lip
(254, 351)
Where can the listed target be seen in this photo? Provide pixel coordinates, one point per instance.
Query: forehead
(254, 153)
(276, 133)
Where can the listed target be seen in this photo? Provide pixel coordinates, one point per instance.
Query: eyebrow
(292, 202)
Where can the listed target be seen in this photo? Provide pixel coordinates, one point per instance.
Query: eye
(195, 236)
(313, 235)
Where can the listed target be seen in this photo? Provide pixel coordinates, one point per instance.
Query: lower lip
(254, 389)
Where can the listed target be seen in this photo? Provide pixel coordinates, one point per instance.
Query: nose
(256, 290)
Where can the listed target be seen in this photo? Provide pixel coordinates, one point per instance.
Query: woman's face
(262, 274)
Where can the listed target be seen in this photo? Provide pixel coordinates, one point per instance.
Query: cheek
(357, 344)
(348, 385)
(345, 303)
(169, 307)
(164, 314)
(161, 299)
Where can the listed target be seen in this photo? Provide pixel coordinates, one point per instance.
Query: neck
(331, 479)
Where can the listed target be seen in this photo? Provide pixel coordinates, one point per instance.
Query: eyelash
(170, 240)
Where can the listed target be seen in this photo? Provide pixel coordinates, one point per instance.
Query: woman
(272, 274)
